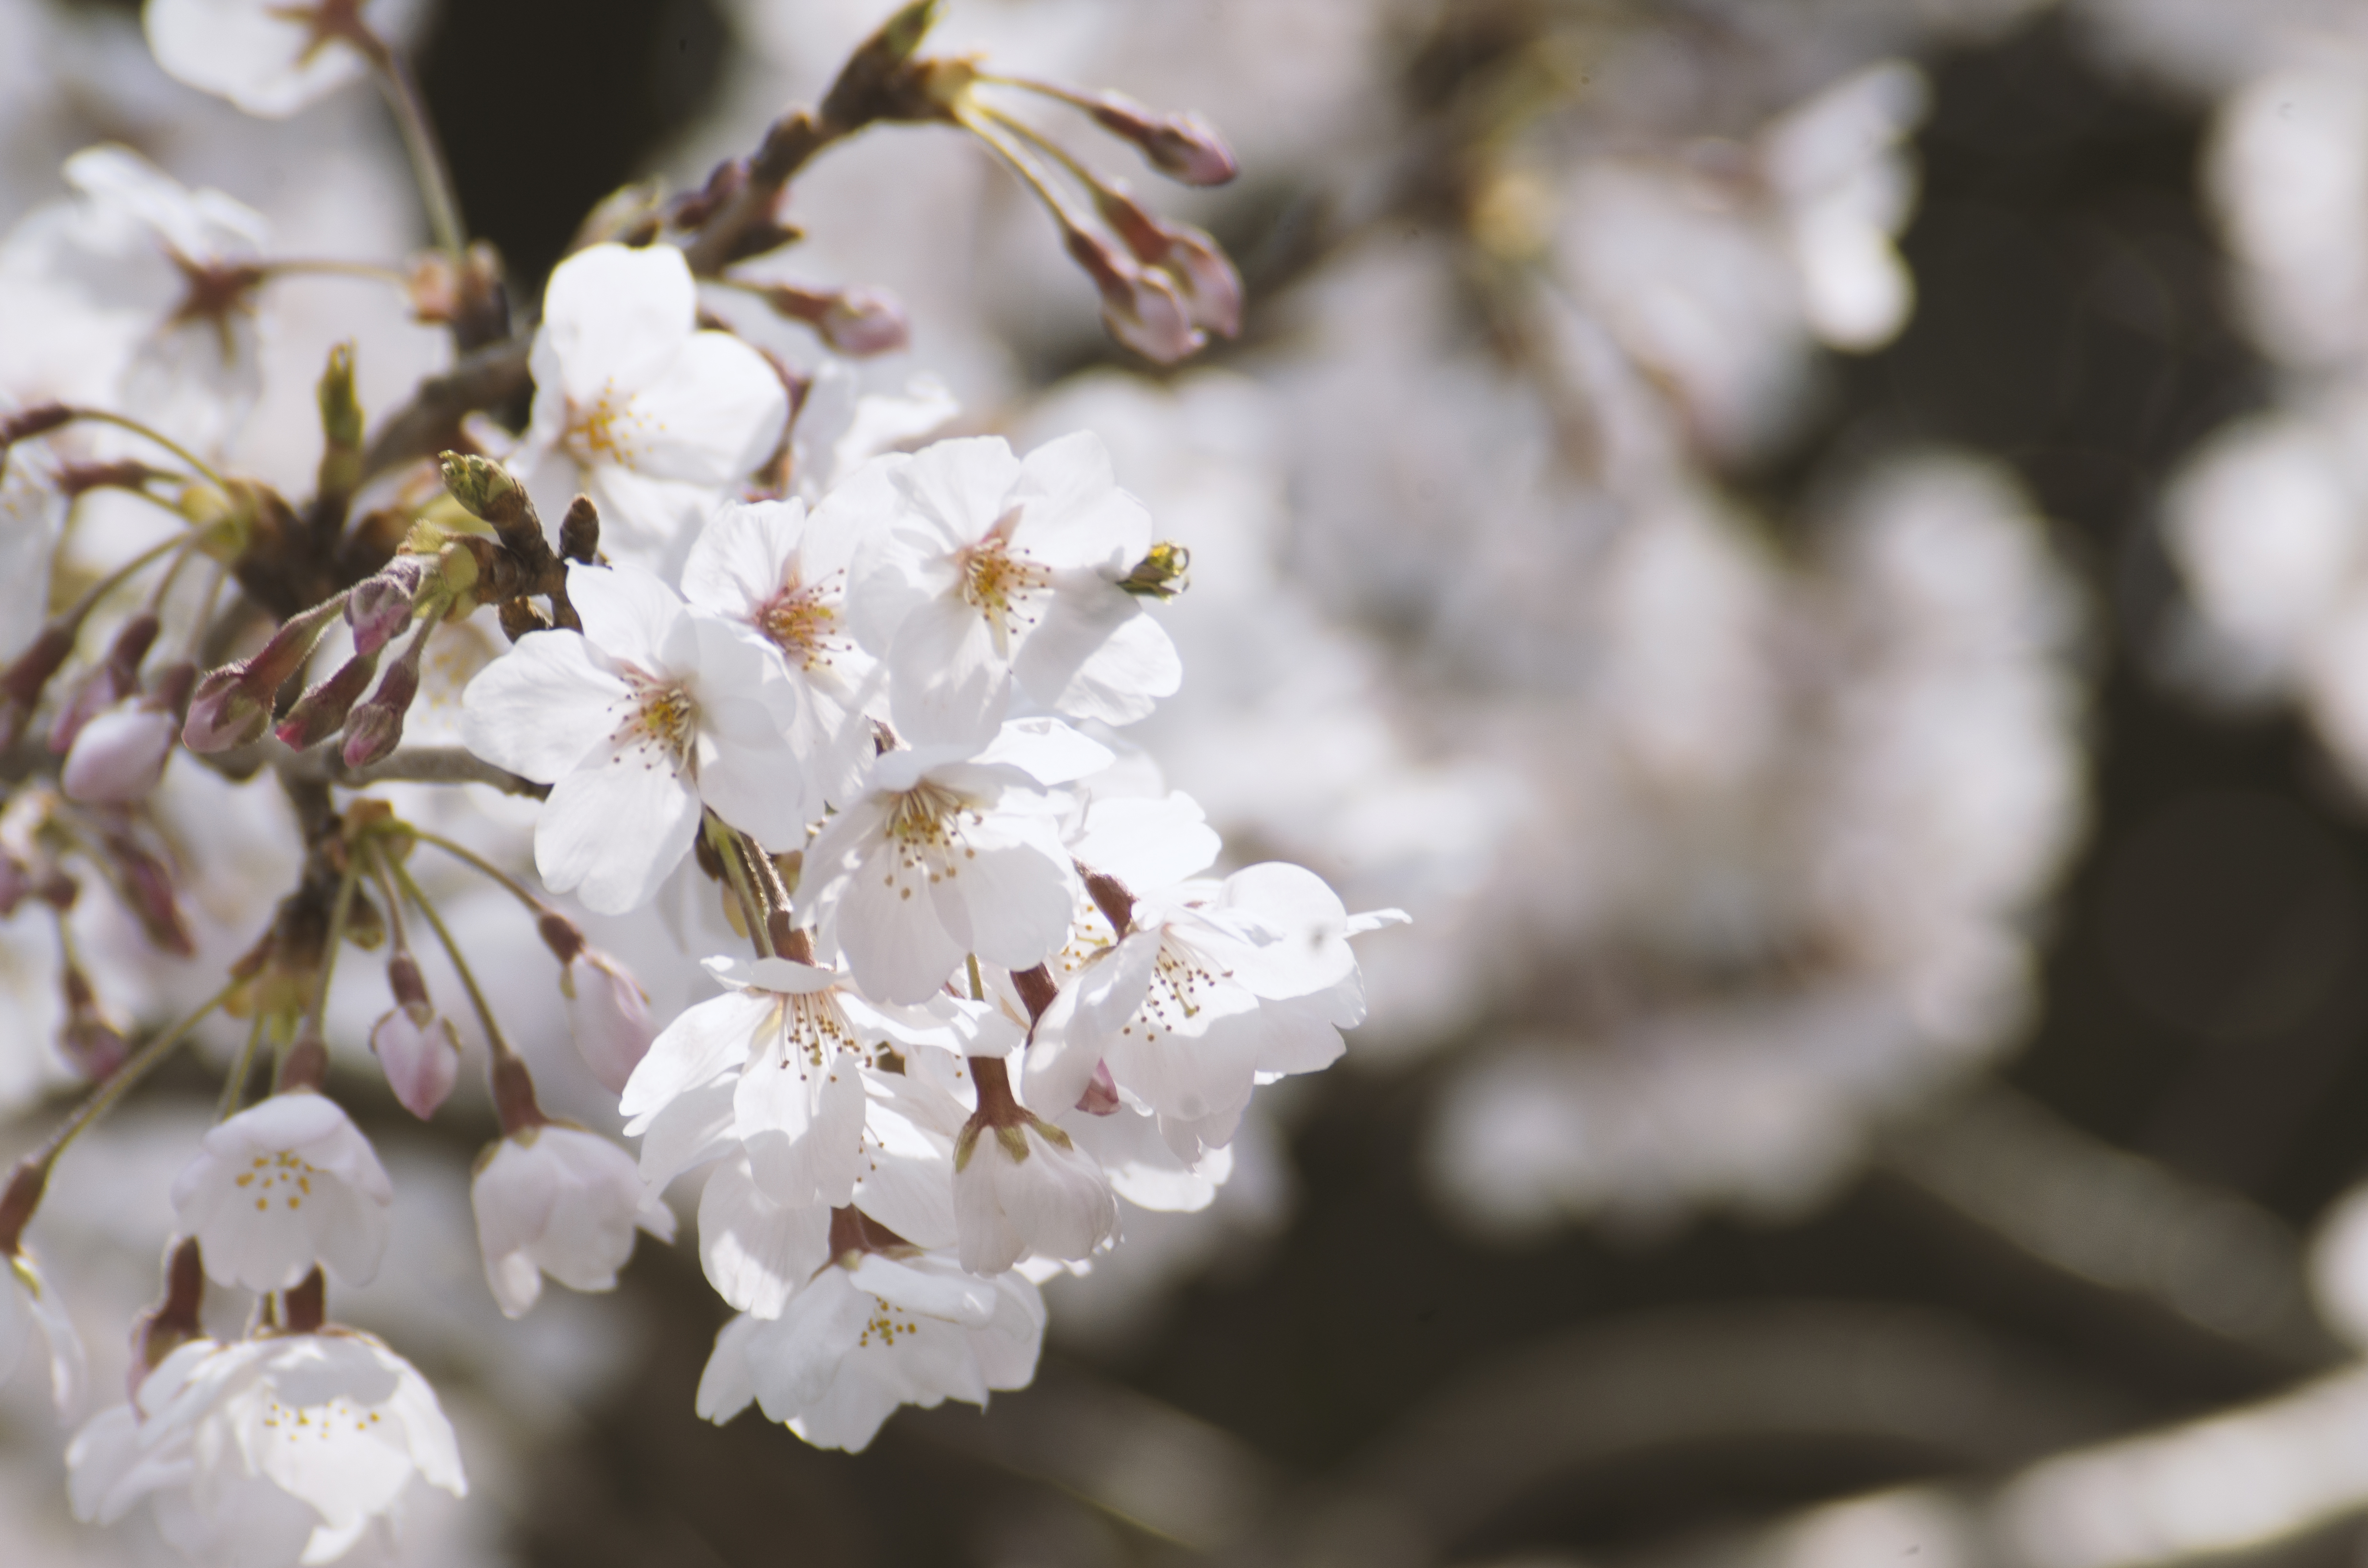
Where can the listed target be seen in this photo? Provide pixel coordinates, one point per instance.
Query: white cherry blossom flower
(1214, 988)
(269, 57)
(772, 567)
(138, 295)
(937, 857)
(649, 712)
(637, 406)
(283, 1185)
(873, 1330)
(786, 1047)
(281, 1449)
(976, 568)
(561, 1201)
(1022, 1188)
(29, 1301)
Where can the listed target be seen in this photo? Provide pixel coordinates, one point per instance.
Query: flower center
(1173, 1000)
(925, 817)
(997, 583)
(801, 624)
(286, 1176)
(814, 1030)
(602, 430)
(661, 723)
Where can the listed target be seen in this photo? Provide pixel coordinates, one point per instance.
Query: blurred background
(1820, 549)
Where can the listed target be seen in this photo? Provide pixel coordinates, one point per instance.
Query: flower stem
(138, 1065)
(727, 846)
(470, 857)
(122, 422)
(501, 1046)
(235, 1085)
(419, 140)
(330, 266)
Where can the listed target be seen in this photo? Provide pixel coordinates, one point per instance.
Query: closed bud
(115, 678)
(118, 757)
(579, 531)
(1203, 277)
(608, 1014)
(221, 715)
(484, 488)
(1140, 309)
(420, 1055)
(375, 727)
(381, 607)
(1184, 147)
(321, 712)
(854, 322)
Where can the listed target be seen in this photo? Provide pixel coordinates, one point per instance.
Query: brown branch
(430, 422)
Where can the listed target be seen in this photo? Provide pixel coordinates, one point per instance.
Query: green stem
(234, 1085)
(121, 422)
(325, 267)
(337, 915)
(138, 1065)
(428, 165)
(117, 578)
(988, 126)
(470, 857)
(501, 1046)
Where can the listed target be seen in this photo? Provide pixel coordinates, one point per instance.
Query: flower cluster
(869, 695)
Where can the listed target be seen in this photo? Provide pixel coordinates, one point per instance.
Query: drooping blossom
(284, 1185)
(775, 1066)
(882, 1324)
(975, 568)
(561, 1201)
(637, 406)
(635, 723)
(607, 1015)
(1022, 1188)
(275, 1449)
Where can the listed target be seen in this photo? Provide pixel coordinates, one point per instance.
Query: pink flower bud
(120, 755)
(1184, 147)
(323, 710)
(610, 1015)
(421, 1058)
(865, 320)
(1187, 257)
(1140, 309)
(380, 607)
(221, 715)
(375, 728)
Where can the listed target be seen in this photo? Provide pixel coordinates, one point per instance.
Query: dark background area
(2202, 997)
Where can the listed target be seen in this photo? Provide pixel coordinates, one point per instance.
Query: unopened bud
(118, 757)
(1140, 309)
(231, 705)
(486, 489)
(115, 678)
(381, 607)
(21, 687)
(375, 728)
(1184, 147)
(341, 430)
(1187, 257)
(579, 531)
(854, 322)
(420, 1055)
(608, 1014)
(323, 710)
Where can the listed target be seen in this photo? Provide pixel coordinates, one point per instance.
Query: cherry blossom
(789, 1044)
(1022, 1188)
(638, 407)
(268, 57)
(978, 840)
(421, 1056)
(648, 713)
(283, 1185)
(883, 1324)
(137, 294)
(561, 1201)
(608, 1015)
(783, 573)
(975, 568)
(267, 1450)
